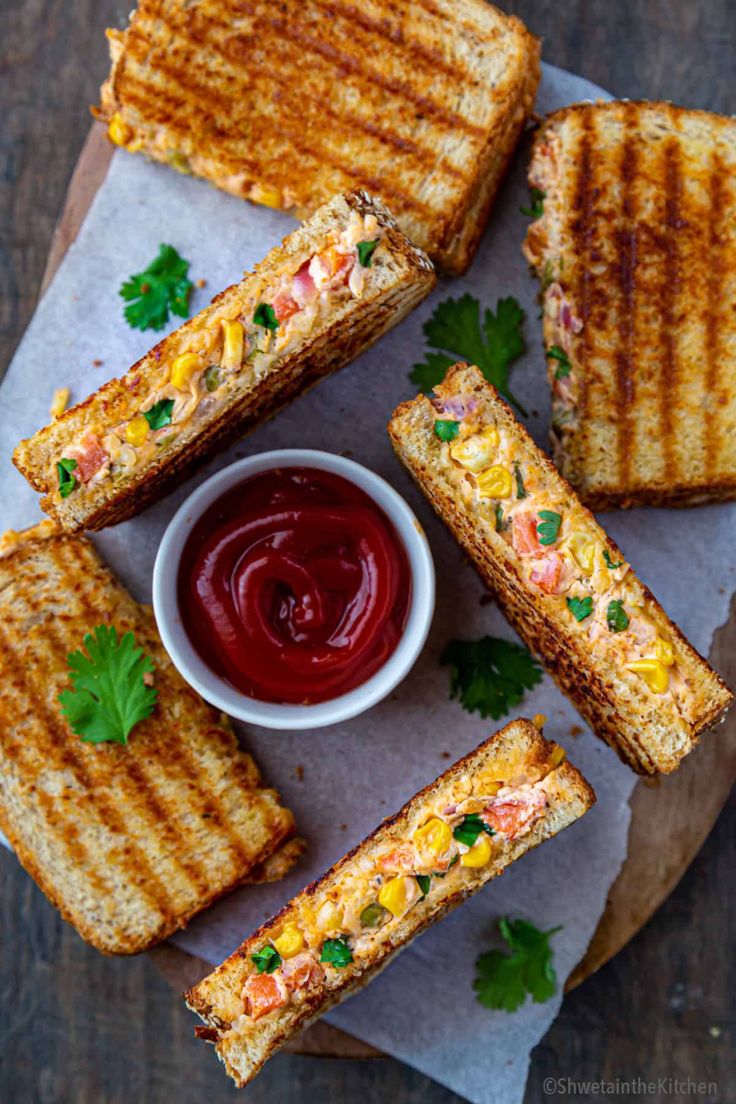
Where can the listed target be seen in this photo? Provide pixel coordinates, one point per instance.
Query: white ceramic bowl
(273, 714)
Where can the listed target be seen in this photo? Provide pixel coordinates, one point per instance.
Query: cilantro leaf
(446, 429)
(336, 952)
(67, 482)
(504, 980)
(423, 881)
(616, 617)
(609, 562)
(548, 529)
(159, 415)
(580, 608)
(536, 207)
(563, 361)
(490, 675)
(520, 488)
(110, 696)
(366, 250)
(500, 523)
(266, 960)
(265, 316)
(160, 289)
(470, 828)
(455, 326)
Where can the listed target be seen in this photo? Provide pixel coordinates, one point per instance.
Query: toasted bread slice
(222, 373)
(421, 104)
(636, 251)
(561, 581)
(371, 902)
(128, 841)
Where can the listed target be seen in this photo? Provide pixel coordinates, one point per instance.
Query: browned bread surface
(518, 749)
(647, 730)
(639, 236)
(400, 276)
(129, 841)
(422, 104)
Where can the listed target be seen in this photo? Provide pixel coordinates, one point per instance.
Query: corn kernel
(654, 673)
(475, 453)
(183, 369)
(59, 402)
(495, 482)
(290, 942)
(232, 349)
(479, 853)
(558, 756)
(118, 131)
(434, 836)
(136, 430)
(267, 195)
(583, 551)
(664, 652)
(393, 895)
(539, 720)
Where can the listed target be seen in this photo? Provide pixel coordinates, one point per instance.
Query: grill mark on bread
(581, 227)
(627, 242)
(717, 195)
(670, 289)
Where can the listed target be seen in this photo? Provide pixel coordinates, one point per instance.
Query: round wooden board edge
(662, 842)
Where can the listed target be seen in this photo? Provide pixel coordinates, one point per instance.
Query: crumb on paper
(576, 730)
(539, 720)
(201, 282)
(299, 772)
(97, 363)
(59, 402)
(343, 827)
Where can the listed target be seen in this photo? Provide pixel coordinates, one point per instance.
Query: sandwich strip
(561, 581)
(328, 292)
(491, 807)
(128, 841)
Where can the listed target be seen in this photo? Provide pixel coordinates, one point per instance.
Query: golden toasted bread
(344, 928)
(561, 581)
(636, 252)
(422, 104)
(128, 841)
(236, 363)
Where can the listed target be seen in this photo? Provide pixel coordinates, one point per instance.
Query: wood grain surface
(674, 50)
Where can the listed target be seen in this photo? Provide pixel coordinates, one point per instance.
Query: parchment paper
(422, 1009)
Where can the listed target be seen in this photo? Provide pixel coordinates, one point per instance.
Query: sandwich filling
(377, 891)
(268, 326)
(558, 550)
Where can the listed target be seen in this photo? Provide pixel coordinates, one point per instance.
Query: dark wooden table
(78, 1028)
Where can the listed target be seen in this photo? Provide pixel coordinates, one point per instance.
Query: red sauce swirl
(294, 586)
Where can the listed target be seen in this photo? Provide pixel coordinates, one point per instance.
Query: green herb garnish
(536, 207)
(455, 326)
(563, 361)
(609, 562)
(470, 828)
(110, 696)
(265, 316)
(548, 529)
(616, 617)
(520, 488)
(267, 960)
(336, 952)
(500, 523)
(490, 675)
(371, 915)
(503, 981)
(159, 415)
(580, 608)
(160, 289)
(366, 250)
(446, 429)
(423, 880)
(212, 377)
(67, 482)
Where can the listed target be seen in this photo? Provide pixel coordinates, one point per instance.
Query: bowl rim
(287, 716)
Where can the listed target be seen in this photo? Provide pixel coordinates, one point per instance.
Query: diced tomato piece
(336, 265)
(90, 456)
(513, 817)
(302, 972)
(524, 534)
(547, 573)
(263, 993)
(284, 306)
(401, 858)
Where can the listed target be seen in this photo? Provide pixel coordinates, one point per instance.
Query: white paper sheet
(422, 1009)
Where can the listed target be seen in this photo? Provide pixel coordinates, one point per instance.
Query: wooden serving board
(670, 816)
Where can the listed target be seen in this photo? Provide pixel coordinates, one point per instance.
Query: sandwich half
(329, 291)
(127, 840)
(561, 581)
(500, 801)
(287, 104)
(635, 249)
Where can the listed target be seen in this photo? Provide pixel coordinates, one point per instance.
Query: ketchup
(294, 586)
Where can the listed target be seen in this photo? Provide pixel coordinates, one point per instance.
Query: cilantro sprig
(580, 608)
(470, 828)
(423, 881)
(563, 361)
(336, 952)
(490, 675)
(535, 209)
(159, 415)
(366, 249)
(265, 316)
(504, 981)
(548, 527)
(266, 960)
(110, 695)
(162, 288)
(446, 429)
(520, 488)
(67, 482)
(492, 345)
(609, 562)
(617, 618)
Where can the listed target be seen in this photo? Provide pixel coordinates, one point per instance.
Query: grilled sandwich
(561, 581)
(128, 841)
(509, 795)
(287, 104)
(636, 252)
(318, 300)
